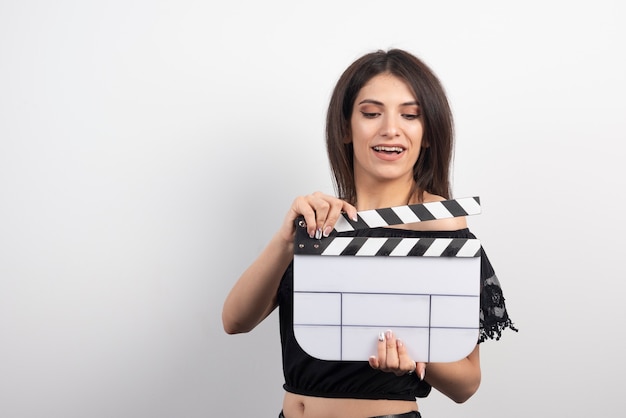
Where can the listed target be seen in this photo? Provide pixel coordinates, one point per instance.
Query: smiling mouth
(388, 150)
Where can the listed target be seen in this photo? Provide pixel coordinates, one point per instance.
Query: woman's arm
(458, 380)
(253, 297)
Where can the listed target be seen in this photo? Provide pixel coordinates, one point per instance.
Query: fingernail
(422, 372)
(327, 231)
(318, 233)
(388, 334)
(381, 336)
(400, 343)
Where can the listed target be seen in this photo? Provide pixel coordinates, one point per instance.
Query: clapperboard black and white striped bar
(349, 289)
(407, 214)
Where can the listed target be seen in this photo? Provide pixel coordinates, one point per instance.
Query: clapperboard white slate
(427, 290)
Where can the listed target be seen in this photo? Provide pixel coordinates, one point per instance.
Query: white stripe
(372, 218)
(337, 245)
(438, 210)
(470, 205)
(371, 246)
(469, 249)
(404, 247)
(406, 214)
(437, 247)
(343, 225)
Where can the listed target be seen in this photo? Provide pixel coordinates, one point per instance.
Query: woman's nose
(390, 127)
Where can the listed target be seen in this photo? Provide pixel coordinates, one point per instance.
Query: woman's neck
(384, 195)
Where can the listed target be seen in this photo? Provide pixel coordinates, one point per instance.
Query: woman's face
(387, 131)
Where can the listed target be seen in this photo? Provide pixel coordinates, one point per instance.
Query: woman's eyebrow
(371, 101)
(376, 102)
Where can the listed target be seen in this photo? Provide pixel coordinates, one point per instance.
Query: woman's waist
(302, 406)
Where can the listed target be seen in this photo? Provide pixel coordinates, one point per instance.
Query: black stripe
(454, 247)
(389, 216)
(477, 199)
(359, 224)
(354, 246)
(388, 246)
(422, 245)
(454, 208)
(422, 213)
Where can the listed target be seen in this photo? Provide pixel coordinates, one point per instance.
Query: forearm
(253, 297)
(458, 380)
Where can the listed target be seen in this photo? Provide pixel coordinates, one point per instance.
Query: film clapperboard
(347, 290)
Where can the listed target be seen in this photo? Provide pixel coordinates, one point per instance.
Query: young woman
(389, 137)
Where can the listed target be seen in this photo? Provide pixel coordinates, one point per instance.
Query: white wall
(149, 149)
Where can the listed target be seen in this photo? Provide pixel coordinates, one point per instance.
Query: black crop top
(309, 376)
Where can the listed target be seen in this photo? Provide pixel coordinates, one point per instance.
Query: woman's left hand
(394, 358)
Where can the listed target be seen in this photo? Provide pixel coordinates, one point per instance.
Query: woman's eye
(370, 115)
(411, 116)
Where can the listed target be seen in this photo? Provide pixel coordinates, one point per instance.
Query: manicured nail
(388, 335)
(327, 231)
(318, 233)
(422, 372)
(381, 336)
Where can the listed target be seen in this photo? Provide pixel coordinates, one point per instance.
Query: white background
(149, 150)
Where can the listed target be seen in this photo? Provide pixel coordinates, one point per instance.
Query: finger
(334, 212)
(382, 351)
(407, 365)
(321, 212)
(302, 206)
(314, 208)
(373, 361)
(349, 210)
(327, 210)
(392, 362)
(321, 203)
(337, 208)
(421, 370)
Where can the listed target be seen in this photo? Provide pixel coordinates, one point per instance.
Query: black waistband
(412, 414)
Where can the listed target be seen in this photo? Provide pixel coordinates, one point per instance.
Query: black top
(309, 376)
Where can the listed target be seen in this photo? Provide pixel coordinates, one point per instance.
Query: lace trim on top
(494, 318)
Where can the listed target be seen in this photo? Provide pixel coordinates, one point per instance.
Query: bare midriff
(300, 406)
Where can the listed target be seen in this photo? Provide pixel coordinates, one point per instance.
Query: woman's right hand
(320, 211)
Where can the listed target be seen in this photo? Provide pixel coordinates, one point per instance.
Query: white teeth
(389, 149)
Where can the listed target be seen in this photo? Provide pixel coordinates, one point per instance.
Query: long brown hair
(432, 169)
